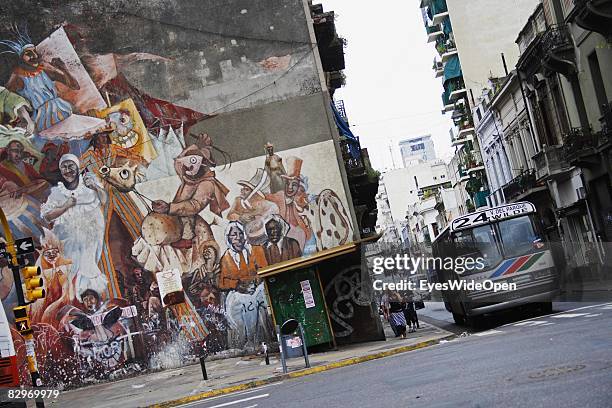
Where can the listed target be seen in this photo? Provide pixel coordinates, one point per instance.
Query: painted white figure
(74, 207)
(247, 315)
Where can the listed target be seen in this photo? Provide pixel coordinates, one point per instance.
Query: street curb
(300, 373)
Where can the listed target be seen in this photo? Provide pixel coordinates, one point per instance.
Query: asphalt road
(435, 313)
(558, 360)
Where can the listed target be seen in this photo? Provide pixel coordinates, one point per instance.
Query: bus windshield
(478, 242)
(518, 236)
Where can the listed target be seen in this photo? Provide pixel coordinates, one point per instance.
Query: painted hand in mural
(160, 206)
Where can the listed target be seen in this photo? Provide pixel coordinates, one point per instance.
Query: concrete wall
(484, 29)
(180, 181)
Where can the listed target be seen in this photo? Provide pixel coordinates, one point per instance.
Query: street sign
(24, 246)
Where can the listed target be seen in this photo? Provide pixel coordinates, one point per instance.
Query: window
(479, 114)
(478, 242)
(518, 236)
(598, 83)
(435, 178)
(443, 176)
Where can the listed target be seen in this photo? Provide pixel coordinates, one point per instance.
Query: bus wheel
(459, 319)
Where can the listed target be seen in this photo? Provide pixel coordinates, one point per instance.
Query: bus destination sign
(492, 215)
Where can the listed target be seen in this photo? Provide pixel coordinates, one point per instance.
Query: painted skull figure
(123, 134)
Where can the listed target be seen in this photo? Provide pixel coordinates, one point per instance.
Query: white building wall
(484, 29)
(402, 189)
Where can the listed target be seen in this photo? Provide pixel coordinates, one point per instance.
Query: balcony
(558, 50)
(579, 147)
(606, 125)
(447, 52)
(549, 162)
(448, 105)
(433, 32)
(455, 88)
(521, 186)
(480, 198)
(594, 15)
(438, 68)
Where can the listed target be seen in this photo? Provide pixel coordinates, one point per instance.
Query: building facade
(200, 145)
(417, 149)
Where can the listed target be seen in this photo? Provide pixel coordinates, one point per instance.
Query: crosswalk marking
(531, 323)
(487, 333)
(569, 315)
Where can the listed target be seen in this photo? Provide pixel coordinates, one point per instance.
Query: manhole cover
(556, 371)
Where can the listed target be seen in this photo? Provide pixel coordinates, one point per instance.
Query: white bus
(510, 244)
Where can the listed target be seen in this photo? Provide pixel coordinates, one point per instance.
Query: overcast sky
(391, 92)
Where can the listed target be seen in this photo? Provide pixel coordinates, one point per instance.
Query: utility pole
(35, 291)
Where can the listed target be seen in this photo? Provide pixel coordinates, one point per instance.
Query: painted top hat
(294, 168)
(256, 183)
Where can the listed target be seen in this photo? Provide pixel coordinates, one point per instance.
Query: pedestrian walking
(411, 314)
(396, 314)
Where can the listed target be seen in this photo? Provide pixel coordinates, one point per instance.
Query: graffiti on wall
(103, 177)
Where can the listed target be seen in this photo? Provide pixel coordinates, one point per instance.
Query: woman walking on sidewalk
(396, 314)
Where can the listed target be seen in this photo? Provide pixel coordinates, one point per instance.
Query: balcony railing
(578, 142)
(480, 198)
(549, 161)
(557, 36)
(520, 184)
(606, 124)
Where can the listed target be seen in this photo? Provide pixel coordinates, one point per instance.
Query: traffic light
(33, 282)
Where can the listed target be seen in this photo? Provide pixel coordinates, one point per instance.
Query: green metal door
(288, 302)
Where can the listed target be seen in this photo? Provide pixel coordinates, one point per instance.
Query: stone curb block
(296, 374)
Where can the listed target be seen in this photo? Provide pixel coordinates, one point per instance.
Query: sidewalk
(185, 384)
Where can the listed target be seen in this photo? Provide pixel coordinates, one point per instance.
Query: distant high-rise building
(417, 149)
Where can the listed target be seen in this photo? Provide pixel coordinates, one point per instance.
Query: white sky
(391, 92)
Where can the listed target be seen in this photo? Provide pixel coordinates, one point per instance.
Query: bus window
(478, 242)
(519, 237)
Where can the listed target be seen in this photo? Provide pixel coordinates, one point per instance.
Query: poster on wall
(170, 287)
(307, 291)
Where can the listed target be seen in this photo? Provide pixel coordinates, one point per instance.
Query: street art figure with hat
(79, 197)
(291, 201)
(274, 169)
(199, 189)
(251, 208)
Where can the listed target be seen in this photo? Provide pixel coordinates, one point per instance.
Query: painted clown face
(191, 164)
(123, 133)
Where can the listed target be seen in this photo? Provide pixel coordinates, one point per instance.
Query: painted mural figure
(21, 190)
(34, 79)
(206, 274)
(56, 270)
(13, 108)
(291, 201)
(280, 247)
(251, 208)
(274, 169)
(199, 189)
(77, 198)
(241, 261)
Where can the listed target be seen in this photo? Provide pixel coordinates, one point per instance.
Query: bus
(509, 244)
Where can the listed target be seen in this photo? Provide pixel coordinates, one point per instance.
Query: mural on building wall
(106, 181)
